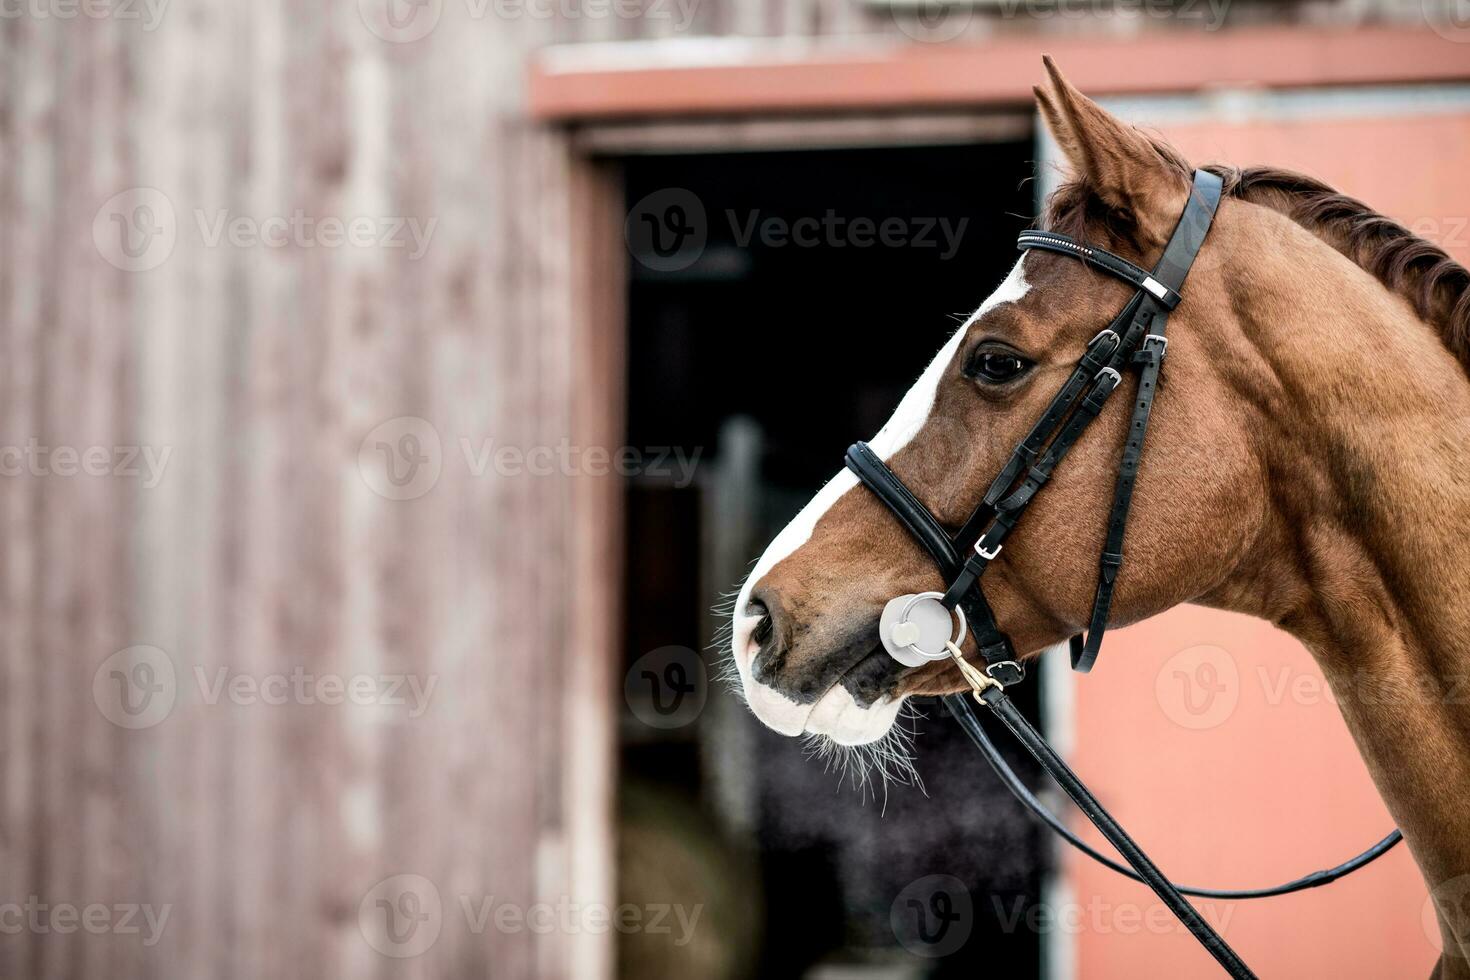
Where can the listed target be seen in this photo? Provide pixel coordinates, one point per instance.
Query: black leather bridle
(1135, 338)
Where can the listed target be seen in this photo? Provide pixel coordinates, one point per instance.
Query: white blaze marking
(910, 416)
(906, 421)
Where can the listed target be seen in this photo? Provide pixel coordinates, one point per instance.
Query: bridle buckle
(998, 675)
(1159, 339)
(987, 555)
(1006, 672)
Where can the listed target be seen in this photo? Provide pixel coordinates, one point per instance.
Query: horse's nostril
(762, 631)
(768, 656)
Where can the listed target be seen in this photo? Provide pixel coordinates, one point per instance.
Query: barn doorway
(778, 306)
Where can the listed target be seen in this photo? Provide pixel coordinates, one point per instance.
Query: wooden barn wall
(937, 22)
(264, 550)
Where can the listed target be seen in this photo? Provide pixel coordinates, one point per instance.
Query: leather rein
(1134, 339)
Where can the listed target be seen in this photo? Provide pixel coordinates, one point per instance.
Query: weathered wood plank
(265, 551)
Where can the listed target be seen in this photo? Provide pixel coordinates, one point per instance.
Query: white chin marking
(835, 715)
(840, 718)
(776, 710)
(908, 419)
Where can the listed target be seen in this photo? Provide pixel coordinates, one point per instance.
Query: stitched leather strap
(996, 700)
(1173, 266)
(877, 477)
(999, 512)
(993, 644)
(1101, 352)
(1111, 560)
(960, 708)
(1008, 511)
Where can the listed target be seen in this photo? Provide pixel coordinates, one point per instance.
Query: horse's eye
(996, 367)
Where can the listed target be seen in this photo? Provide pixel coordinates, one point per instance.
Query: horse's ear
(1121, 165)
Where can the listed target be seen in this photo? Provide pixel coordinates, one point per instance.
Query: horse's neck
(1366, 557)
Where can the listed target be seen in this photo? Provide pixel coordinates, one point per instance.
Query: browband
(1107, 261)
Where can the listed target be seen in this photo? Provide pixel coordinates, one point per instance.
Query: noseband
(1135, 338)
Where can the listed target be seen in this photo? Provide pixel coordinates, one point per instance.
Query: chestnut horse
(1307, 464)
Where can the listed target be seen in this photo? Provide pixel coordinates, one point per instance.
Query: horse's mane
(1420, 271)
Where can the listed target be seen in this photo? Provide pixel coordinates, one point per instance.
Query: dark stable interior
(769, 356)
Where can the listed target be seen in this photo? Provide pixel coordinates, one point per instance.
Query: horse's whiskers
(728, 673)
(869, 767)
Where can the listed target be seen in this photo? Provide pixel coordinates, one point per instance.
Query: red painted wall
(1212, 736)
